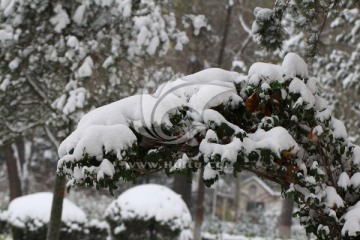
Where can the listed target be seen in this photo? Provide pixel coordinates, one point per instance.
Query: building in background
(256, 195)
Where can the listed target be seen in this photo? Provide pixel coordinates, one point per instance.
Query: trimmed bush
(149, 212)
(29, 215)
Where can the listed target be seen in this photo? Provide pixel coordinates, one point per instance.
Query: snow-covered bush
(272, 122)
(149, 212)
(29, 215)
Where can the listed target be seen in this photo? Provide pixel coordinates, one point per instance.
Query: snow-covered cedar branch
(272, 122)
(309, 17)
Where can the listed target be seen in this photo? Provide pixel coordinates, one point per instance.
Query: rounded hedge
(149, 212)
(29, 215)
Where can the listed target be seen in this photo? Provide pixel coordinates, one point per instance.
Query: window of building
(252, 190)
(253, 206)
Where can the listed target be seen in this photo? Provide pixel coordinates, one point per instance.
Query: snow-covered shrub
(96, 229)
(272, 122)
(149, 212)
(29, 215)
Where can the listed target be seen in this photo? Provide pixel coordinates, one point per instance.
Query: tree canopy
(51, 50)
(271, 122)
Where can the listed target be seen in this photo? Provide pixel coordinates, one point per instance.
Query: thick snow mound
(352, 221)
(37, 207)
(212, 74)
(271, 71)
(151, 201)
(293, 65)
(277, 139)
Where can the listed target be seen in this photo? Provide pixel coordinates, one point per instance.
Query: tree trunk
(183, 187)
(285, 219)
(13, 173)
(54, 226)
(20, 146)
(237, 199)
(199, 213)
(224, 209)
(225, 35)
(24, 164)
(214, 201)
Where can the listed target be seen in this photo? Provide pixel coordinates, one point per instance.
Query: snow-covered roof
(151, 201)
(262, 184)
(37, 206)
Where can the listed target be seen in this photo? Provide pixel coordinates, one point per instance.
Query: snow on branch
(272, 122)
(21, 129)
(245, 27)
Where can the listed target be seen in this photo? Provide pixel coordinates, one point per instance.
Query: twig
(327, 166)
(245, 27)
(23, 129)
(37, 89)
(51, 137)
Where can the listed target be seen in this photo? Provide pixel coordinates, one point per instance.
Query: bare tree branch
(245, 27)
(51, 137)
(37, 89)
(21, 129)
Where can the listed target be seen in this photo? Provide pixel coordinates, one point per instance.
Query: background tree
(61, 58)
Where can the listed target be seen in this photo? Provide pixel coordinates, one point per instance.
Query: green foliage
(267, 26)
(34, 230)
(3, 227)
(309, 17)
(139, 229)
(95, 230)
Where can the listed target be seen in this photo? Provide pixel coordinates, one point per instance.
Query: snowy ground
(225, 236)
(206, 236)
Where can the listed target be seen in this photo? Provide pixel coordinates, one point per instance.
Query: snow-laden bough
(272, 122)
